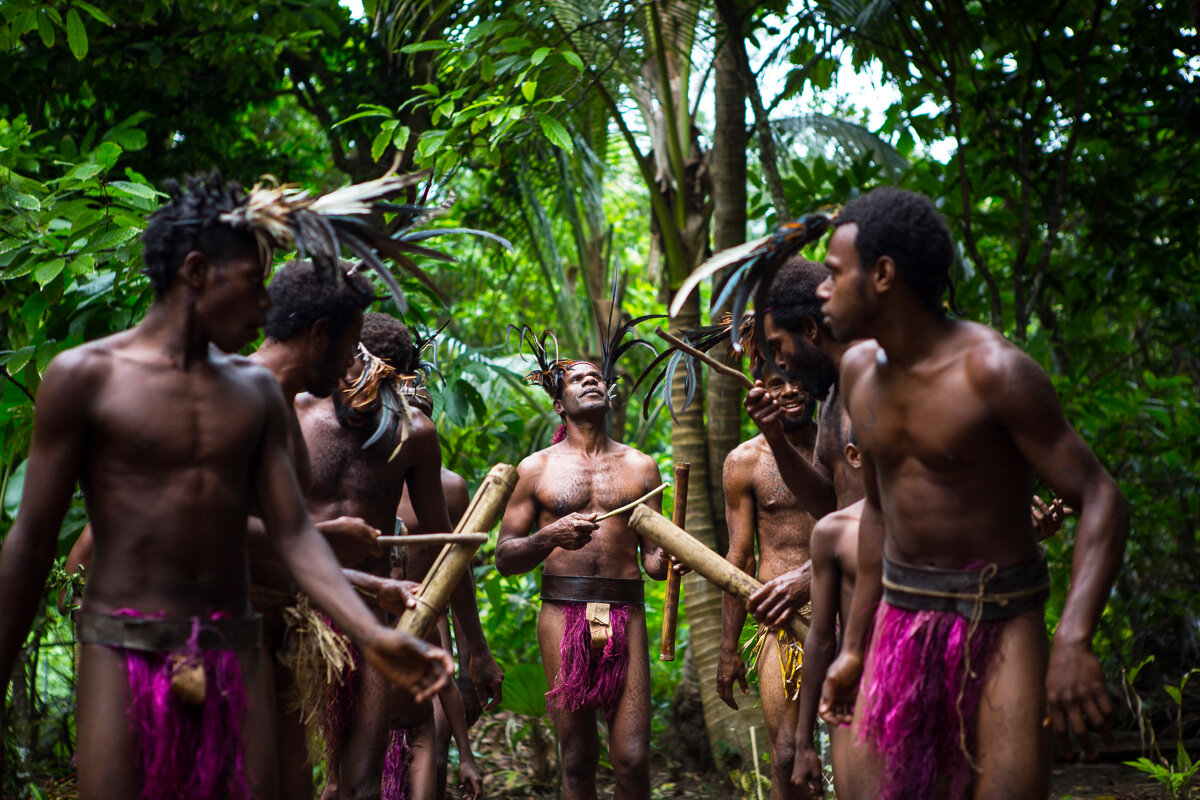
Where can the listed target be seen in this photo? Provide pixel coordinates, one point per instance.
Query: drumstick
(656, 490)
(716, 365)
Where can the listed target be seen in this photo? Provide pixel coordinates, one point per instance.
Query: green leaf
(524, 690)
(45, 30)
(49, 271)
(17, 360)
(383, 138)
(1175, 694)
(423, 47)
(539, 55)
(529, 89)
(555, 131)
(22, 200)
(96, 13)
(134, 189)
(76, 36)
(573, 59)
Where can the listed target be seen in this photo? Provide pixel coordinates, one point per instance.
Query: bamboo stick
(716, 365)
(485, 510)
(666, 648)
(656, 490)
(432, 538)
(698, 557)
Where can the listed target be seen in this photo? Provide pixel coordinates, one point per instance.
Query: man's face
(584, 392)
(330, 367)
(797, 403)
(798, 355)
(846, 307)
(233, 303)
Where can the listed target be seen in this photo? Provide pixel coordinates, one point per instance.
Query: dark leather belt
(993, 592)
(168, 635)
(581, 589)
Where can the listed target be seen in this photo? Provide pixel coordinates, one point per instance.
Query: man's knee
(631, 758)
(578, 764)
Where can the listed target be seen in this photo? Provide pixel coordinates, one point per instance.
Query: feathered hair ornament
(380, 387)
(612, 332)
(288, 215)
(550, 371)
(755, 265)
(704, 339)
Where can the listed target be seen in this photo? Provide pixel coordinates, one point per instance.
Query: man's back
(951, 476)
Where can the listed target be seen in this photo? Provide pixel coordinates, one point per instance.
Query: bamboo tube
(716, 365)
(485, 510)
(666, 648)
(432, 538)
(696, 556)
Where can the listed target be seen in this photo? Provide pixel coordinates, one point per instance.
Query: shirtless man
(171, 440)
(760, 508)
(954, 424)
(351, 480)
(591, 583)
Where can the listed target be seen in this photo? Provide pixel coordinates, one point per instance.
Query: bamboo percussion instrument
(716, 365)
(432, 538)
(485, 510)
(696, 556)
(666, 649)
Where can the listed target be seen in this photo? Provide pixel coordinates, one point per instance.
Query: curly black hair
(907, 227)
(191, 220)
(389, 339)
(301, 295)
(793, 295)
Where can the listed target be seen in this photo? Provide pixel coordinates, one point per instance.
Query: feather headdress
(380, 387)
(755, 265)
(664, 367)
(549, 372)
(612, 332)
(287, 216)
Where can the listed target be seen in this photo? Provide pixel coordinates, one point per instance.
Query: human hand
(776, 600)
(572, 531)
(1048, 520)
(488, 679)
(351, 538)
(678, 567)
(1076, 696)
(731, 668)
(397, 596)
(764, 409)
(470, 779)
(408, 662)
(807, 775)
(840, 689)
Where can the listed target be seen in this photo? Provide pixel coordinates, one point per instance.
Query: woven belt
(581, 589)
(991, 592)
(168, 635)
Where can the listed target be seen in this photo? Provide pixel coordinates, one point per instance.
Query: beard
(800, 421)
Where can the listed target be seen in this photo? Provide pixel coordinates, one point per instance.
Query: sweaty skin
(170, 440)
(954, 423)
(760, 509)
(559, 493)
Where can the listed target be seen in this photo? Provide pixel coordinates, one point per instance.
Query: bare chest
(587, 486)
(157, 419)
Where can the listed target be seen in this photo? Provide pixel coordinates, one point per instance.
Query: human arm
(840, 686)
(55, 457)
(820, 647)
(406, 661)
(350, 538)
(1030, 411)
(776, 600)
(392, 595)
(655, 560)
(452, 707)
(518, 550)
(810, 483)
(739, 518)
(78, 561)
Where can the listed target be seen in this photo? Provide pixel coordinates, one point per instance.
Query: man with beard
(954, 424)
(592, 625)
(172, 441)
(358, 470)
(760, 509)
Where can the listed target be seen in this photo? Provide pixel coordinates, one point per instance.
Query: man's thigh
(365, 743)
(1012, 746)
(780, 713)
(104, 745)
(630, 726)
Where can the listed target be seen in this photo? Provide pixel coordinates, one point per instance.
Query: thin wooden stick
(433, 538)
(699, 557)
(656, 490)
(754, 755)
(716, 365)
(666, 647)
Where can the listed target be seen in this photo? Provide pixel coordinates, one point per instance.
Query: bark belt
(582, 589)
(168, 635)
(988, 593)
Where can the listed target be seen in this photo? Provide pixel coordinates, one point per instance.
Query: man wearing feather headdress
(959, 689)
(171, 440)
(592, 625)
(366, 445)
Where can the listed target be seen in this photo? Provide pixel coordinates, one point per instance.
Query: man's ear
(318, 334)
(558, 407)
(883, 274)
(853, 456)
(811, 329)
(194, 269)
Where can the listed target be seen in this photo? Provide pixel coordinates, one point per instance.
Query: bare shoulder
(745, 457)
(636, 459)
(248, 371)
(856, 362)
(1001, 372)
(532, 466)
